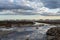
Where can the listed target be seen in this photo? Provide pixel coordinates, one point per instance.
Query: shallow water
(30, 33)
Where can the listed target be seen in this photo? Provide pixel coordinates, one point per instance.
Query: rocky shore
(53, 33)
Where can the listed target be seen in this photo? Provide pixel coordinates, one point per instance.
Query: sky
(30, 7)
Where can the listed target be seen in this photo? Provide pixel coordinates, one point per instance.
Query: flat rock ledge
(53, 33)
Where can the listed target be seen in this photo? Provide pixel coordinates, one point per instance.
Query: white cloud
(38, 6)
(11, 1)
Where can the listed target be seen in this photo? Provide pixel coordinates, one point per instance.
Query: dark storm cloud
(6, 4)
(30, 7)
(15, 7)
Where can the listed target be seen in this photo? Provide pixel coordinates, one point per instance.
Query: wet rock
(53, 33)
(37, 27)
(27, 39)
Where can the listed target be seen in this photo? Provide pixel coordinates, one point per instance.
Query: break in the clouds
(30, 7)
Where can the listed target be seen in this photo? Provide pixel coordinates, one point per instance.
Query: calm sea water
(30, 33)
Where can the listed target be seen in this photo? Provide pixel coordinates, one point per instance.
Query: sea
(27, 33)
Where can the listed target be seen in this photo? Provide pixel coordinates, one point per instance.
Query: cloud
(15, 7)
(17, 12)
(22, 4)
(6, 4)
(52, 4)
(31, 7)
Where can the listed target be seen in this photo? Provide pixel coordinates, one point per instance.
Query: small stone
(27, 39)
(37, 27)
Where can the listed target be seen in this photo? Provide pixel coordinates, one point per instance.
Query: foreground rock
(53, 33)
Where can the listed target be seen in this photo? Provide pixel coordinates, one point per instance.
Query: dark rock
(37, 27)
(53, 33)
(27, 39)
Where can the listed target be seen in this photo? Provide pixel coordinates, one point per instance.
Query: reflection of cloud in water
(29, 32)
